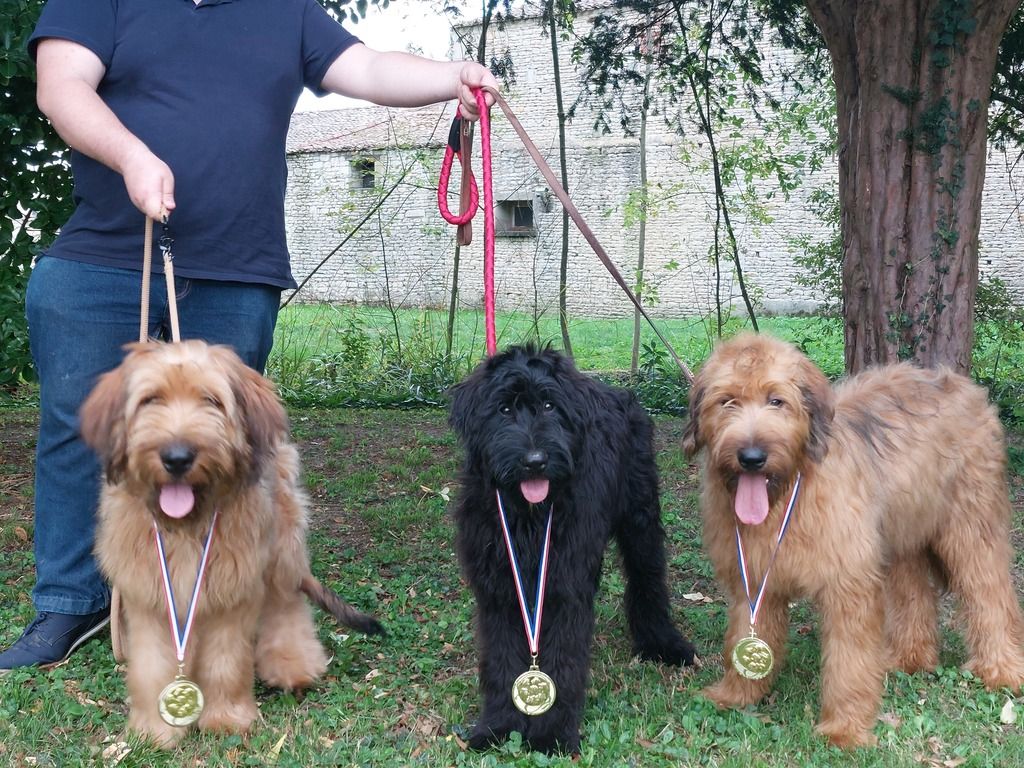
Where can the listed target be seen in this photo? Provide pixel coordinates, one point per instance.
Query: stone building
(367, 178)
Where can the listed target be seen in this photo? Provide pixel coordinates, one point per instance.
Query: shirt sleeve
(323, 40)
(90, 24)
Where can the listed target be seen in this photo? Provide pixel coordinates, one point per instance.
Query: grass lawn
(598, 343)
(381, 536)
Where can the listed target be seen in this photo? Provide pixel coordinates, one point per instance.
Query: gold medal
(752, 657)
(533, 692)
(181, 702)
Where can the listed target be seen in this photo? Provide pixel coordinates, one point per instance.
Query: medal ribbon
(181, 634)
(755, 606)
(531, 622)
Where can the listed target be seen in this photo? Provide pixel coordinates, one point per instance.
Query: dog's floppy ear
(260, 409)
(692, 441)
(819, 401)
(102, 422)
(465, 401)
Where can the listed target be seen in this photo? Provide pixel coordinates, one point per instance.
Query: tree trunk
(912, 80)
(641, 248)
(563, 271)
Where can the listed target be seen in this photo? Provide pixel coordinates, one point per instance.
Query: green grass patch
(330, 355)
(381, 536)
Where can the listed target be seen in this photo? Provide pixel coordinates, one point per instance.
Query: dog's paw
(166, 739)
(1009, 673)
(678, 651)
(565, 744)
(483, 737)
(156, 731)
(730, 694)
(294, 673)
(234, 717)
(916, 660)
(846, 735)
(291, 658)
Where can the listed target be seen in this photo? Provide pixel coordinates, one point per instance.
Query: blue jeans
(79, 317)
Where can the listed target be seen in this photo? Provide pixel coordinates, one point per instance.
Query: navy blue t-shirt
(210, 89)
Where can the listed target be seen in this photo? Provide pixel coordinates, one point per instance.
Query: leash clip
(455, 134)
(165, 242)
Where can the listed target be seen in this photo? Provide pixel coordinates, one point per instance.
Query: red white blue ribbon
(531, 620)
(179, 633)
(755, 606)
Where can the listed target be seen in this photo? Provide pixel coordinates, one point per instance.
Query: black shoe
(51, 638)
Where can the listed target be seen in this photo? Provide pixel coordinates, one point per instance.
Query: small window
(514, 218)
(364, 173)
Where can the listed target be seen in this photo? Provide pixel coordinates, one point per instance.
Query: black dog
(547, 437)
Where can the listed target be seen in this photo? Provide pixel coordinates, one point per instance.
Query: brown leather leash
(466, 148)
(117, 641)
(147, 261)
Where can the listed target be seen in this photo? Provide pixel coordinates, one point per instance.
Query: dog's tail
(342, 612)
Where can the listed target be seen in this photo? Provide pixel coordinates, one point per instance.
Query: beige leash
(147, 265)
(117, 644)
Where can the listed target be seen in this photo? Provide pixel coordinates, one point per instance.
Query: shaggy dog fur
(904, 492)
(532, 426)
(183, 429)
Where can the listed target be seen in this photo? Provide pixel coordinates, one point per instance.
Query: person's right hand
(68, 75)
(150, 184)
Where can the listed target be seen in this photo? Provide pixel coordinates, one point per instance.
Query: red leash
(468, 211)
(560, 193)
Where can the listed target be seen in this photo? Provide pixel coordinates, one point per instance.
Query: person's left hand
(471, 77)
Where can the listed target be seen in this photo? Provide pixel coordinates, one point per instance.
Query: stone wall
(405, 246)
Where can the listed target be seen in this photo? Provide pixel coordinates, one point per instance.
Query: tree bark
(563, 269)
(913, 80)
(641, 248)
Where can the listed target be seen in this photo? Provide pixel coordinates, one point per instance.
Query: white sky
(405, 25)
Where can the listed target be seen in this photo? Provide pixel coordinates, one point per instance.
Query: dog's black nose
(752, 459)
(535, 461)
(177, 459)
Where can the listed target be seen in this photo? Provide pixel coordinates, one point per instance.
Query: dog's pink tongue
(535, 490)
(177, 499)
(752, 498)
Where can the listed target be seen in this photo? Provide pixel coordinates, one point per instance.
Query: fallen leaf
(116, 752)
(275, 751)
(698, 597)
(1008, 714)
(891, 719)
(20, 533)
(429, 726)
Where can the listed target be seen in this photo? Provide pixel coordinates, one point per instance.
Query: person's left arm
(396, 79)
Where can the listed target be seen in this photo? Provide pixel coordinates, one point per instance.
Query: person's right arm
(67, 77)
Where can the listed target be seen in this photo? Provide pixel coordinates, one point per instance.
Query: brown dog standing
(903, 492)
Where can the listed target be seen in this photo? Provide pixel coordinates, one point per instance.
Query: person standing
(177, 109)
